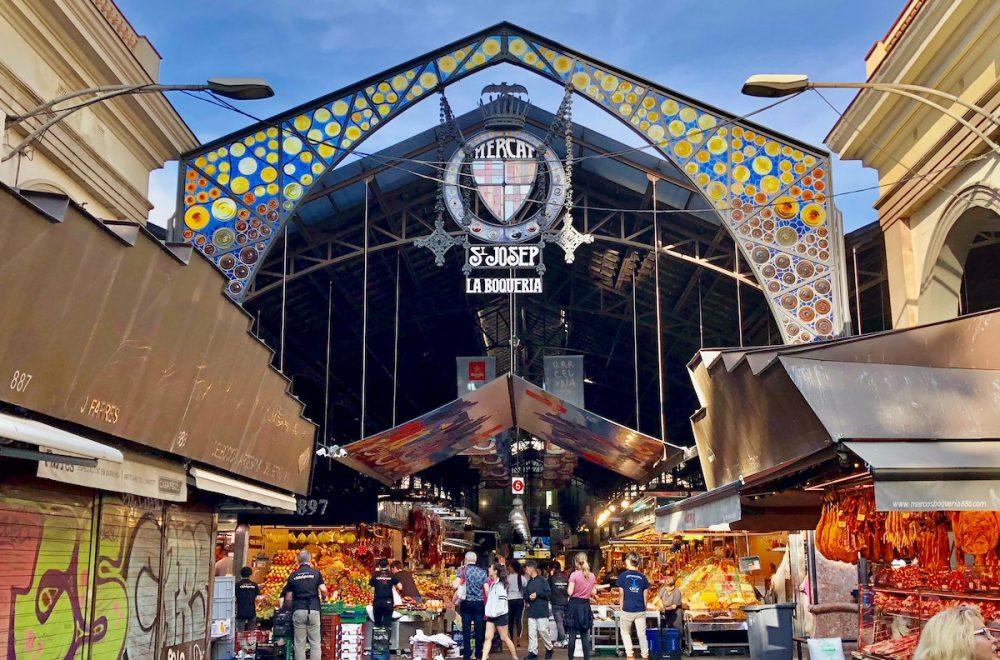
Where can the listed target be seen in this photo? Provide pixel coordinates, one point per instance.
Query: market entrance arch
(772, 193)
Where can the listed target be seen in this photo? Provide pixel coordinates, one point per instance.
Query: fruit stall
(920, 563)
(713, 591)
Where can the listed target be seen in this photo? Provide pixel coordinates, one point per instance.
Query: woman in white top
(515, 600)
(497, 611)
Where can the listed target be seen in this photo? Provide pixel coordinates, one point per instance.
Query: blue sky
(702, 48)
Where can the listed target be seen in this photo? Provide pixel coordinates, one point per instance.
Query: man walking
(303, 590)
(470, 583)
(632, 586)
(384, 583)
(536, 594)
(559, 596)
(246, 601)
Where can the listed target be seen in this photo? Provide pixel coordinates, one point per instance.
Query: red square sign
(477, 371)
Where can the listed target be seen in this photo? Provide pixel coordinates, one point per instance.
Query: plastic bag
(826, 648)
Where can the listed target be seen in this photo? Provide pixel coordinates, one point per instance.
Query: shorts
(498, 621)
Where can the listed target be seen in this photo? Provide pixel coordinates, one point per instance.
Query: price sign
(517, 485)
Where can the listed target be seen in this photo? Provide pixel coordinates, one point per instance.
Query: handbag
(462, 591)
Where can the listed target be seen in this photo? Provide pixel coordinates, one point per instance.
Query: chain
(566, 116)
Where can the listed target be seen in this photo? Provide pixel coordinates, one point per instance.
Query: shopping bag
(826, 648)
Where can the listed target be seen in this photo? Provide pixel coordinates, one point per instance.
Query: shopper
(302, 593)
(515, 600)
(497, 610)
(579, 618)
(469, 586)
(246, 601)
(408, 587)
(673, 603)
(558, 583)
(384, 583)
(224, 566)
(632, 586)
(956, 633)
(536, 594)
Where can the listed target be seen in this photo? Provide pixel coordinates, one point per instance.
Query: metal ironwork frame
(739, 207)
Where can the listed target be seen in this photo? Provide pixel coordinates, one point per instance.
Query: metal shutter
(188, 564)
(45, 552)
(127, 589)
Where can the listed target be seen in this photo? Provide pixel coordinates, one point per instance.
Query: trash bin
(653, 641)
(769, 628)
(670, 644)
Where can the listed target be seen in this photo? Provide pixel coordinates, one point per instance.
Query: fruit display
(434, 587)
(717, 586)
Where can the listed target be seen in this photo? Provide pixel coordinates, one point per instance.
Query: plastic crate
(248, 641)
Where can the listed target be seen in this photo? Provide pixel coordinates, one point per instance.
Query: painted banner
(136, 475)
(474, 372)
(589, 436)
(472, 420)
(453, 428)
(564, 377)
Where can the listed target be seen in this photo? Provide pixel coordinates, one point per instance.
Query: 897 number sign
(311, 507)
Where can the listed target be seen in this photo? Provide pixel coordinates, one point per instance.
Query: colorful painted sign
(474, 419)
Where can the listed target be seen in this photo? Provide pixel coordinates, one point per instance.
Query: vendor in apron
(673, 605)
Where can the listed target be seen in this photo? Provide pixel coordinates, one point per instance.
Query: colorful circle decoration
(771, 193)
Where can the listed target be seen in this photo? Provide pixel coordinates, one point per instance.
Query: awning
(110, 329)
(714, 509)
(943, 475)
(217, 483)
(58, 441)
(769, 407)
(137, 474)
(733, 508)
(508, 401)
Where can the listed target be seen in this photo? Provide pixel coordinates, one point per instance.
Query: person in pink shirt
(579, 617)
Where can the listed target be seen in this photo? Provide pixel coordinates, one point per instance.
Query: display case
(890, 619)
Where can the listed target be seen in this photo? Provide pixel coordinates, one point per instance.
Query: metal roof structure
(587, 307)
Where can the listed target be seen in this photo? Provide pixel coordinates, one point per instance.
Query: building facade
(939, 196)
(101, 155)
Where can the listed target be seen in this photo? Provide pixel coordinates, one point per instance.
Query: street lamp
(240, 89)
(775, 85)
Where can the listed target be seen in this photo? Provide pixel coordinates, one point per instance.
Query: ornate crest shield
(505, 184)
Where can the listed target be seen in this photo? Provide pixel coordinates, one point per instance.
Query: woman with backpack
(515, 600)
(497, 611)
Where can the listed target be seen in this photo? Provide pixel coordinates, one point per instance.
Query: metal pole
(739, 297)
(635, 347)
(659, 320)
(395, 343)
(326, 385)
(701, 316)
(364, 322)
(857, 290)
(284, 292)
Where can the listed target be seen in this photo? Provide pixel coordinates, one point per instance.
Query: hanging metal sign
(506, 188)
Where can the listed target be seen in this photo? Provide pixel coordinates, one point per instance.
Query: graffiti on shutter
(45, 539)
(127, 582)
(186, 574)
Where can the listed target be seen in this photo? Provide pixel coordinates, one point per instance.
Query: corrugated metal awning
(773, 406)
